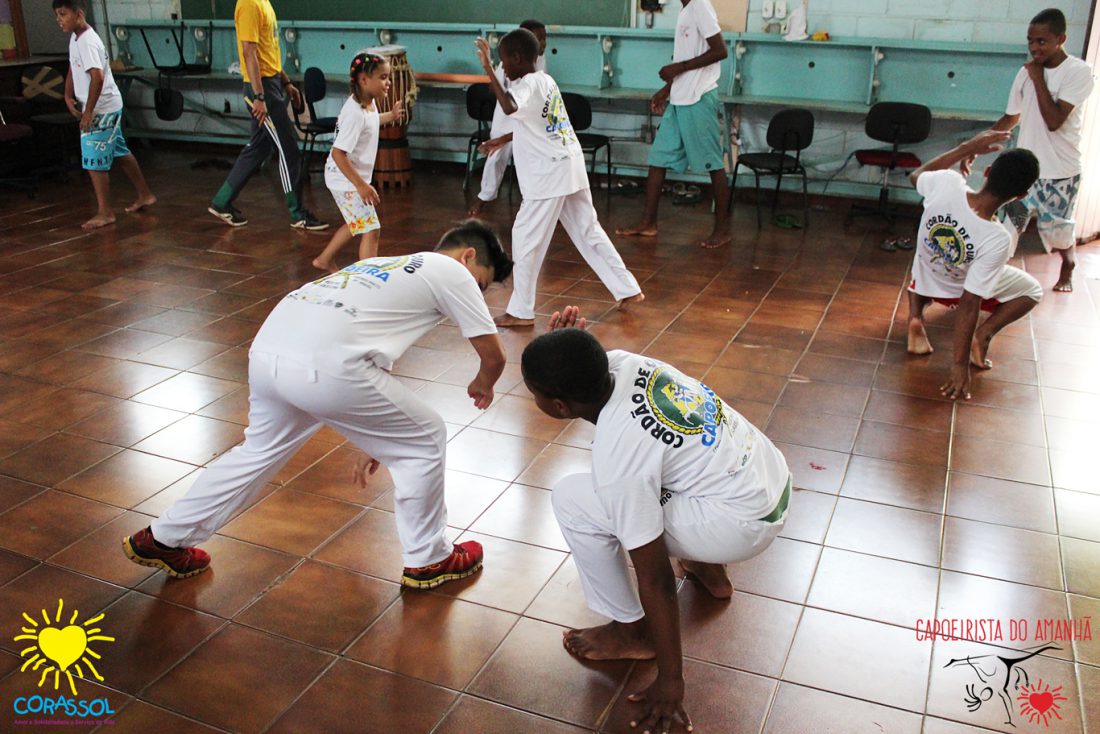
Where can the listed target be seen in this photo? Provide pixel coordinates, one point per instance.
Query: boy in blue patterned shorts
(1047, 100)
(92, 96)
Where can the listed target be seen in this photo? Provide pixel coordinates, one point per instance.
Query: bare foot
(918, 338)
(507, 319)
(327, 265)
(641, 230)
(711, 575)
(99, 220)
(638, 298)
(978, 349)
(141, 202)
(717, 239)
(612, 641)
(1065, 277)
(475, 210)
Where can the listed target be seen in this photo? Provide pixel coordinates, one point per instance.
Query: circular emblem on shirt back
(682, 404)
(947, 244)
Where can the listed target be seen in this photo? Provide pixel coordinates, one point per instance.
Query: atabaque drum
(394, 162)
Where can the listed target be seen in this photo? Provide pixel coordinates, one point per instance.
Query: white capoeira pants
(531, 233)
(289, 403)
(696, 529)
(493, 172)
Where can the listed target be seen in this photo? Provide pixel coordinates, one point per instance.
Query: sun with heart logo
(1039, 702)
(61, 649)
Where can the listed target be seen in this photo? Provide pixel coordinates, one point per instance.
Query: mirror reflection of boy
(1046, 100)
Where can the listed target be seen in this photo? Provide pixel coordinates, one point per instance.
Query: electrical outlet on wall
(767, 11)
(780, 9)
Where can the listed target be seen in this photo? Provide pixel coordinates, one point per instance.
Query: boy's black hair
(480, 236)
(533, 25)
(73, 5)
(521, 41)
(1052, 18)
(567, 364)
(1012, 173)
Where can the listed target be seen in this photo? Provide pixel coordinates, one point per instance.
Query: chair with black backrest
(314, 88)
(897, 123)
(15, 154)
(55, 127)
(789, 133)
(168, 102)
(480, 104)
(579, 110)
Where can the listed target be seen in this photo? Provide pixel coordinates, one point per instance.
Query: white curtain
(1088, 200)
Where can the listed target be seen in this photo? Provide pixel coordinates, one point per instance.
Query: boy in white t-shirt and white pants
(1047, 100)
(500, 133)
(962, 253)
(675, 471)
(93, 97)
(689, 135)
(552, 178)
(350, 165)
(323, 358)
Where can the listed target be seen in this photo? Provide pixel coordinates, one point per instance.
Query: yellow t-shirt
(255, 21)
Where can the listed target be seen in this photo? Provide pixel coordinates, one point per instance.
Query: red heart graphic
(1041, 701)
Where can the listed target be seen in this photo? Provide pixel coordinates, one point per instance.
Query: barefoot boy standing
(92, 96)
(674, 471)
(961, 258)
(1047, 100)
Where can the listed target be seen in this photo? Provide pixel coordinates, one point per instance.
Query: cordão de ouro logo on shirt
(671, 406)
(949, 242)
(557, 119)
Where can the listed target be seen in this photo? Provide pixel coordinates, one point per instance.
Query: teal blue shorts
(103, 142)
(689, 137)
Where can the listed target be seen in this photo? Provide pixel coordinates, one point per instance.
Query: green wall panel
(551, 12)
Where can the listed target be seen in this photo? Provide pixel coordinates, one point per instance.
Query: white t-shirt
(956, 249)
(356, 135)
(1058, 151)
(696, 23)
(87, 51)
(501, 124)
(663, 434)
(373, 310)
(549, 160)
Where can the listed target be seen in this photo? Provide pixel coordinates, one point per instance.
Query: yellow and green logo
(61, 648)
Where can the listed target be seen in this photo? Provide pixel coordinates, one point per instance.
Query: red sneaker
(177, 562)
(465, 560)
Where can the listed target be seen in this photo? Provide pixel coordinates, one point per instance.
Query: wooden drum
(394, 162)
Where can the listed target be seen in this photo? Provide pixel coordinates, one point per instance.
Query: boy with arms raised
(674, 471)
(962, 253)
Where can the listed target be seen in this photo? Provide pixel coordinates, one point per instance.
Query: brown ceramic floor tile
(1077, 513)
(321, 606)
(813, 429)
(800, 709)
(126, 479)
(760, 359)
(855, 657)
(124, 379)
(1080, 607)
(519, 417)
(1081, 559)
(815, 469)
(99, 554)
(180, 354)
(1074, 470)
(466, 452)
(186, 392)
(901, 444)
(1011, 554)
(369, 545)
(524, 514)
(55, 458)
(239, 572)
(60, 409)
(350, 694)
(823, 368)
(562, 601)
(915, 486)
(124, 343)
(716, 699)
(1000, 501)
(999, 424)
(811, 522)
(881, 530)
(277, 521)
(240, 679)
(140, 717)
(574, 692)
(474, 714)
(825, 397)
(125, 423)
(733, 384)
(14, 492)
(194, 439)
(874, 588)
(963, 596)
(49, 521)
(512, 576)
(1013, 461)
(462, 638)
(554, 463)
(13, 565)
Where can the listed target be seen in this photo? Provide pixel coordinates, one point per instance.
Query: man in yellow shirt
(265, 83)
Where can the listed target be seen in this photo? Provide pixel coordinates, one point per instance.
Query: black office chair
(580, 115)
(314, 88)
(168, 102)
(897, 123)
(480, 104)
(790, 131)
